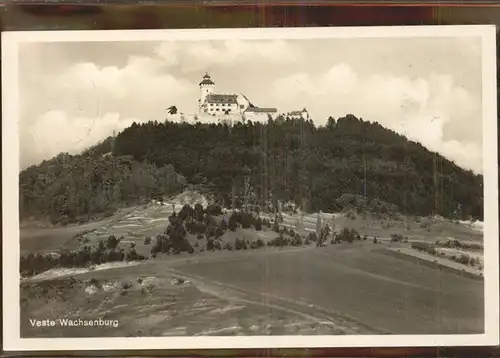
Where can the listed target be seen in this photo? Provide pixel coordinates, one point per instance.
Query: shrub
(100, 246)
(200, 237)
(246, 220)
(424, 247)
(162, 244)
(186, 213)
(459, 245)
(210, 231)
(240, 244)
(312, 237)
(396, 238)
(147, 241)
(257, 244)
(276, 227)
(228, 246)
(132, 255)
(258, 224)
(198, 212)
(112, 242)
(463, 259)
(214, 209)
(296, 241)
(210, 220)
(194, 227)
(233, 222)
(347, 235)
(365, 237)
(126, 285)
(280, 241)
(220, 230)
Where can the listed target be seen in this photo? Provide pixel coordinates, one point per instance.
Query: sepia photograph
(250, 188)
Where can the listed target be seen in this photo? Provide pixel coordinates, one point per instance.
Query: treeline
(33, 264)
(77, 188)
(293, 160)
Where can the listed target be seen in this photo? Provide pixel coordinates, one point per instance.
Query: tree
(198, 208)
(112, 242)
(330, 123)
(172, 110)
(233, 222)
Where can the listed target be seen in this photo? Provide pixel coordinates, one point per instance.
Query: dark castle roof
(221, 98)
(261, 110)
(206, 80)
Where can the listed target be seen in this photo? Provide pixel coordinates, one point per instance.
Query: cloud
(428, 110)
(200, 56)
(142, 80)
(54, 132)
(86, 102)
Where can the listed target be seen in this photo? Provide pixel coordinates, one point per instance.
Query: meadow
(288, 284)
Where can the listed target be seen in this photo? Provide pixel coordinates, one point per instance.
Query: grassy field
(343, 289)
(338, 289)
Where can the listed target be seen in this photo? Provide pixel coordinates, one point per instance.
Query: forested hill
(79, 188)
(291, 160)
(294, 160)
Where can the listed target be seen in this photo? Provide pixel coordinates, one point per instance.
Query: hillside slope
(286, 160)
(78, 188)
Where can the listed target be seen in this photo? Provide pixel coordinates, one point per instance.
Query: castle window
(206, 110)
(242, 106)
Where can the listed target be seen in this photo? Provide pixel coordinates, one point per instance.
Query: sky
(73, 95)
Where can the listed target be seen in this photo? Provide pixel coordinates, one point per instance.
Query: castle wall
(260, 117)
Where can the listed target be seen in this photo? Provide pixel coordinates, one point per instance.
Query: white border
(10, 170)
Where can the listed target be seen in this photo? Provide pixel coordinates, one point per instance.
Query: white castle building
(230, 106)
(298, 114)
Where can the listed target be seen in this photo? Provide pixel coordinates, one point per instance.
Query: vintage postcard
(302, 187)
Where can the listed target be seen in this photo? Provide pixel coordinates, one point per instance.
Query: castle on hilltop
(231, 108)
(232, 105)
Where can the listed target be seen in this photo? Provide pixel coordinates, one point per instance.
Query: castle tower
(207, 87)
